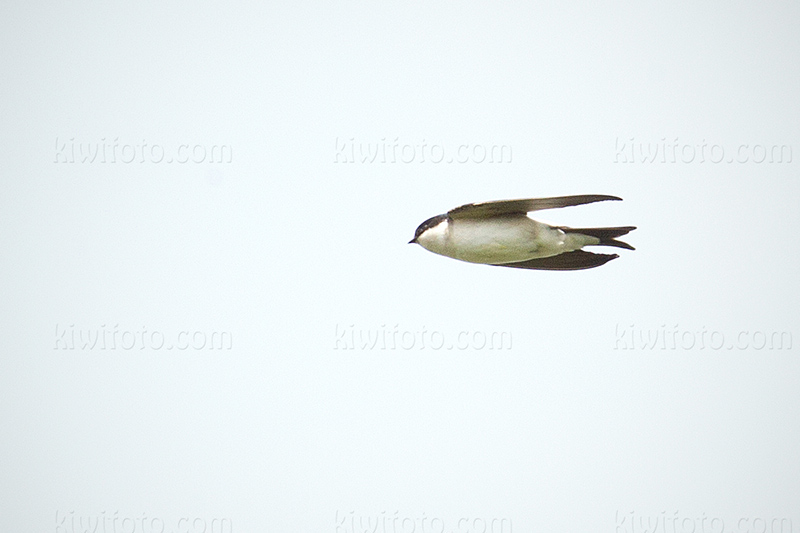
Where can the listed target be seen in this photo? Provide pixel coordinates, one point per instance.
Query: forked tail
(607, 236)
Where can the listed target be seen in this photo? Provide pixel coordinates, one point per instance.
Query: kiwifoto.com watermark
(395, 338)
(397, 522)
(678, 522)
(70, 522)
(675, 150)
(111, 338)
(112, 151)
(676, 337)
(393, 151)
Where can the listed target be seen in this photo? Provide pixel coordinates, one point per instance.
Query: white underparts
(500, 239)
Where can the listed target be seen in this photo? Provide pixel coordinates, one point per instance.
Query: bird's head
(432, 233)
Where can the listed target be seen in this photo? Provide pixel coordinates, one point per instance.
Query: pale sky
(323, 374)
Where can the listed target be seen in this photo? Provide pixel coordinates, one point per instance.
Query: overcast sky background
(292, 243)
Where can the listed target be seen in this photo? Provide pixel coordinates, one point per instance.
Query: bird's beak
(413, 241)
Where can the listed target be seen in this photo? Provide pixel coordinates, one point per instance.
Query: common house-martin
(501, 233)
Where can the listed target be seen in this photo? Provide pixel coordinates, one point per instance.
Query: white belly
(505, 240)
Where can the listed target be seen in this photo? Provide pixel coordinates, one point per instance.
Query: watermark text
(678, 522)
(386, 522)
(676, 151)
(110, 338)
(390, 338)
(675, 337)
(394, 151)
(70, 522)
(104, 151)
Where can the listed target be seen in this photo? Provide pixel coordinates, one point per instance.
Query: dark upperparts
(430, 223)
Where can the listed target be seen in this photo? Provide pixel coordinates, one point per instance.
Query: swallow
(501, 233)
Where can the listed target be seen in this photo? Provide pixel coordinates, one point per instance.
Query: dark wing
(520, 207)
(577, 260)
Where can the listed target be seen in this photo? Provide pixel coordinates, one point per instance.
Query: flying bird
(501, 233)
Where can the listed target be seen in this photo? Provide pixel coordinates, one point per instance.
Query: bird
(500, 233)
